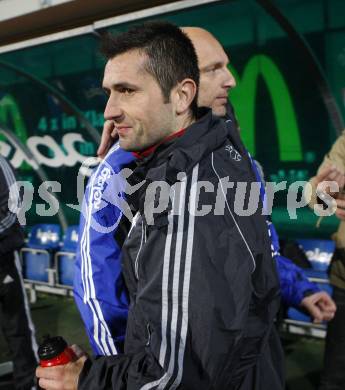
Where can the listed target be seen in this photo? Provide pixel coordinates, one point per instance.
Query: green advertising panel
(51, 97)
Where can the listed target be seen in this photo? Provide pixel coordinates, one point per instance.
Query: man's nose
(229, 81)
(113, 110)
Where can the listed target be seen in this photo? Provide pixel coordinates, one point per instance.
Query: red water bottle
(54, 351)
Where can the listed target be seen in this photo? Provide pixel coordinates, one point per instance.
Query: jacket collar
(151, 149)
(181, 155)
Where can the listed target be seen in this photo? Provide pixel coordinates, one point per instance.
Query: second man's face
(135, 103)
(215, 78)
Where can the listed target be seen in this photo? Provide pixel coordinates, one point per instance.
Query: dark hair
(171, 54)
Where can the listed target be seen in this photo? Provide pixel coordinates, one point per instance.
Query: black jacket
(202, 282)
(11, 234)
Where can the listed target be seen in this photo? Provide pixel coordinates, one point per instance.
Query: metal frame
(47, 39)
(305, 328)
(319, 280)
(92, 29)
(311, 61)
(39, 171)
(34, 288)
(146, 13)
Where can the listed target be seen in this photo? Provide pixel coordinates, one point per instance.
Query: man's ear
(183, 95)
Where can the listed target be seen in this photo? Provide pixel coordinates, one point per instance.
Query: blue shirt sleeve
(294, 283)
(99, 289)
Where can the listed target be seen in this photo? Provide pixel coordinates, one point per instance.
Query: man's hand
(109, 135)
(63, 377)
(340, 212)
(320, 306)
(331, 173)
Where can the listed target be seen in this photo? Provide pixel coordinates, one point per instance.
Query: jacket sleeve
(99, 289)
(188, 324)
(7, 182)
(115, 372)
(10, 201)
(294, 284)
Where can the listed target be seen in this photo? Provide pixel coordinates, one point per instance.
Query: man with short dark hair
(203, 285)
(215, 82)
(15, 318)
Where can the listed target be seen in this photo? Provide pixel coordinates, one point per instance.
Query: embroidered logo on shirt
(98, 189)
(8, 279)
(234, 154)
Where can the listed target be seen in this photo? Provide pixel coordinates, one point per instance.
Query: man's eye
(127, 91)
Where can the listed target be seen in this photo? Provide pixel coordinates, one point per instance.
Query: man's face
(136, 103)
(215, 78)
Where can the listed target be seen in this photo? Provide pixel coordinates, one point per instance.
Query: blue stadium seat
(65, 257)
(37, 255)
(318, 252)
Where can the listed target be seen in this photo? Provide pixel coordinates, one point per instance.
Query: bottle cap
(51, 347)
